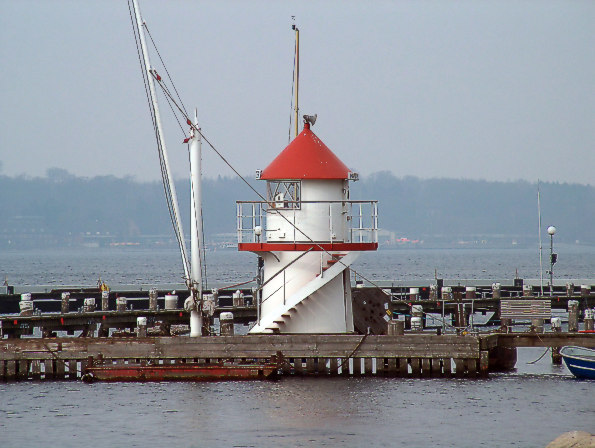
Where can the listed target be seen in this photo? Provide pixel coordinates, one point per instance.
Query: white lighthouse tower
(307, 233)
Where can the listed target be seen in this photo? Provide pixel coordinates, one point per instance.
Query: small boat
(580, 361)
(146, 372)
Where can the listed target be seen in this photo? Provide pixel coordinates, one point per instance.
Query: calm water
(133, 266)
(525, 408)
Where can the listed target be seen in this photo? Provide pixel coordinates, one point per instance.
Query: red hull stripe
(302, 247)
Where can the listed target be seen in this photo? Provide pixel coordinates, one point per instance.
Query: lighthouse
(306, 234)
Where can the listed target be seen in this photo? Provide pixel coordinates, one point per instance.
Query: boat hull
(180, 372)
(580, 361)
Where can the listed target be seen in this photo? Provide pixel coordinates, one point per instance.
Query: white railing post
(238, 211)
(253, 222)
(361, 223)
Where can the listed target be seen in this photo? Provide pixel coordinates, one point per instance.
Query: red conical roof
(306, 157)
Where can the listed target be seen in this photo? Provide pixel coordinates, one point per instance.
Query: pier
(57, 333)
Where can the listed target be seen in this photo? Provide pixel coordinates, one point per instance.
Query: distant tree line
(66, 206)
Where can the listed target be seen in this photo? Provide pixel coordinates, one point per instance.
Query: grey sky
(466, 89)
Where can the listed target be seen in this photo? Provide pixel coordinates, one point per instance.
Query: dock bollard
(496, 290)
(141, 327)
(171, 301)
(537, 325)
(434, 292)
(121, 304)
(589, 319)
(572, 316)
(470, 292)
(65, 304)
(226, 324)
(89, 305)
(417, 321)
(153, 299)
(396, 327)
(413, 293)
(569, 289)
(26, 305)
(556, 328)
(238, 298)
(104, 300)
(505, 325)
(527, 291)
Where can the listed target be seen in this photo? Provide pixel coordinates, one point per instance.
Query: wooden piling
(459, 367)
(426, 369)
(572, 315)
(471, 365)
(416, 367)
(484, 363)
(11, 370)
(403, 367)
(436, 367)
(447, 366)
(334, 366)
(368, 371)
(23, 369)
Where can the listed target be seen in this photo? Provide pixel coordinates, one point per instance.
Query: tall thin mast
(296, 81)
(161, 140)
(540, 246)
(196, 228)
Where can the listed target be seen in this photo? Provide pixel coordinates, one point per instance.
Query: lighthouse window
(284, 194)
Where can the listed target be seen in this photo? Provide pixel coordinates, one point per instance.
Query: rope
(164, 176)
(346, 360)
(539, 359)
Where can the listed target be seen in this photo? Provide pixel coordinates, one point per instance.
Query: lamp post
(551, 230)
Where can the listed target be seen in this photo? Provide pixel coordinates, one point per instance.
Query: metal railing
(345, 221)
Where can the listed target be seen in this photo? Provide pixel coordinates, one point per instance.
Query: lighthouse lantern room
(306, 234)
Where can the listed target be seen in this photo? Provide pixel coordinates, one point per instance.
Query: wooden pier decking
(417, 355)
(409, 355)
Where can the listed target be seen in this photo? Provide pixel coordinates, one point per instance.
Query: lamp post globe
(551, 230)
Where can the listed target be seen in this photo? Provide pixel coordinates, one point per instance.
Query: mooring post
(153, 299)
(396, 327)
(572, 316)
(505, 325)
(226, 327)
(141, 325)
(537, 325)
(569, 289)
(588, 319)
(89, 305)
(104, 300)
(496, 290)
(470, 292)
(26, 305)
(556, 328)
(65, 303)
(238, 299)
(121, 304)
(433, 292)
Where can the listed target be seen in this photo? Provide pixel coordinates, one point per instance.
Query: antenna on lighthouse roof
(295, 85)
